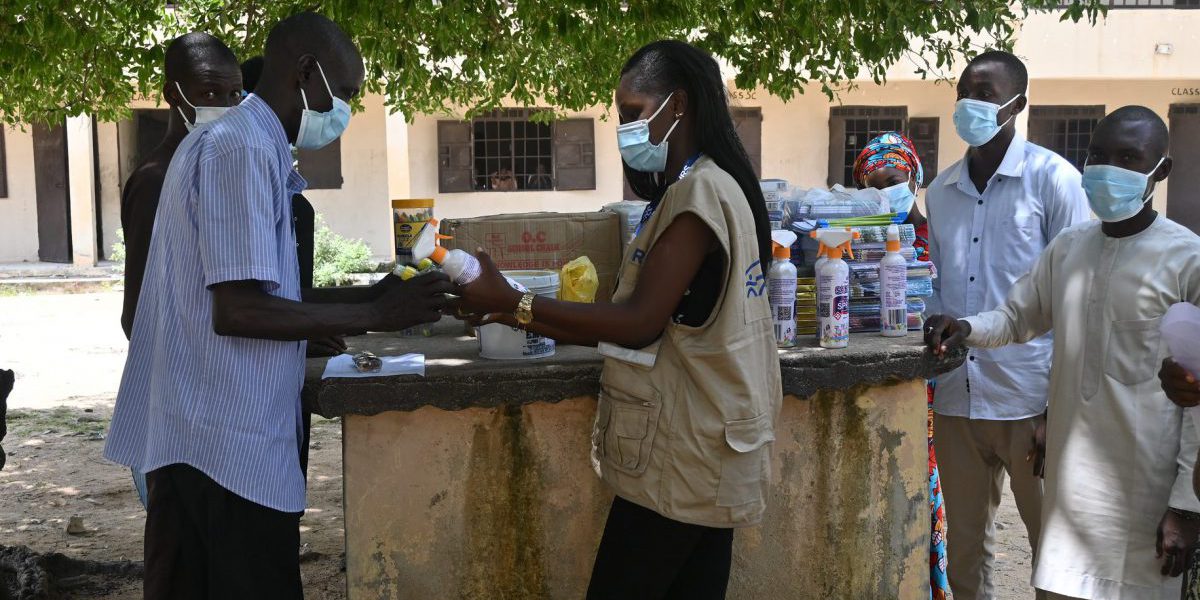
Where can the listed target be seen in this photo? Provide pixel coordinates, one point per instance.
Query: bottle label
(893, 286)
(471, 270)
(783, 310)
(833, 312)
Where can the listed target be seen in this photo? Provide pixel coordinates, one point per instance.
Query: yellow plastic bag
(579, 281)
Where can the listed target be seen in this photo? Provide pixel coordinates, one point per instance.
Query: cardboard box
(544, 241)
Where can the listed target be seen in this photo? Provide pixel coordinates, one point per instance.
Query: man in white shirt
(991, 215)
(1119, 513)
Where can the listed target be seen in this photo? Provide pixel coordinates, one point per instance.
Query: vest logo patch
(639, 255)
(756, 282)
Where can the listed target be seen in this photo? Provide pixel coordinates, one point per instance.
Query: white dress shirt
(1118, 452)
(981, 244)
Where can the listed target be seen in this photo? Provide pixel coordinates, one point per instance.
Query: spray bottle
(459, 265)
(781, 279)
(823, 253)
(893, 285)
(833, 288)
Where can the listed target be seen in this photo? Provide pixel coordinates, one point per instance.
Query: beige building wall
(361, 208)
(18, 211)
(1113, 63)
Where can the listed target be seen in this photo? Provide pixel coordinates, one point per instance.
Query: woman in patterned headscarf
(890, 163)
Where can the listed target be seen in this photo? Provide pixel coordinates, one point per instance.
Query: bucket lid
(535, 280)
(413, 203)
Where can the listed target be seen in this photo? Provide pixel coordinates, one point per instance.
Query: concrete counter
(475, 481)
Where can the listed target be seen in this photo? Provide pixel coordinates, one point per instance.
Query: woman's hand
(490, 293)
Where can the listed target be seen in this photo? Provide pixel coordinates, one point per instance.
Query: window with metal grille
(506, 150)
(851, 128)
(1065, 130)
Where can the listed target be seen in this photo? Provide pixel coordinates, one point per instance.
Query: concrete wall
(362, 207)
(18, 212)
(503, 503)
(1120, 46)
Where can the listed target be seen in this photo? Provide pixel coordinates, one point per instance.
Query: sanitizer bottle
(893, 285)
(833, 289)
(459, 265)
(781, 281)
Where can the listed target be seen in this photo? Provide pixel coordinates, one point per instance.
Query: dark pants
(204, 542)
(646, 556)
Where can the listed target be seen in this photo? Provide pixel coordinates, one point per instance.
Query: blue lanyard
(650, 208)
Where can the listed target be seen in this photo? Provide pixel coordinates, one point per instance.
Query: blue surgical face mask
(204, 114)
(633, 140)
(975, 120)
(1116, 194)
(900, 197)
(318, 129)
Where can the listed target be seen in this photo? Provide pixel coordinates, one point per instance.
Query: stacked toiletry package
(867, 215)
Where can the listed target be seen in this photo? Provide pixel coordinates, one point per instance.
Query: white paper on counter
(1181, 331)
(342, 365)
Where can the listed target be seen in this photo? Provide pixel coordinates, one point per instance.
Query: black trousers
(646, 556)
(203, 542)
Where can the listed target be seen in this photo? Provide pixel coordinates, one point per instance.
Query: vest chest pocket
(745, 464)
(1132, 352)
(626, 428)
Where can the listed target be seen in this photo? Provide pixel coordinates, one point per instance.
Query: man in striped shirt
(209, 404)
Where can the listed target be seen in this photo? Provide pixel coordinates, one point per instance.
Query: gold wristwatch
(524, 313)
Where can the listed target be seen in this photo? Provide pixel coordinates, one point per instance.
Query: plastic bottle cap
(439, 254)
(893, 238)
(781, 251)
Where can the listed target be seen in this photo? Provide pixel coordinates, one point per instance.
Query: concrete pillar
(399, 178)
(110, 186)
(81, 173)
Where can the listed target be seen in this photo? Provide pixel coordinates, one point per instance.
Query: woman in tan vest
(690, 387)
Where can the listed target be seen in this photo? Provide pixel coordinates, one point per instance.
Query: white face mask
(204, 114)
(900, 196)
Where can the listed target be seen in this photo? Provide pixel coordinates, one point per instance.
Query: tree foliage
(63, 57)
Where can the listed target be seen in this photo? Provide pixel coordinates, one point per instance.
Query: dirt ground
(56, 471)
(68, 352)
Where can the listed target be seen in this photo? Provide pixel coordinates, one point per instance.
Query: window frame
(1042, 122)
(841, 159)
(481, 181)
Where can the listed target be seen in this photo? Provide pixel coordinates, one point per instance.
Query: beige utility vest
(684, 426)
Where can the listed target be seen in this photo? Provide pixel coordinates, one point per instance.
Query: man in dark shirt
(201, 73)
(303, 213)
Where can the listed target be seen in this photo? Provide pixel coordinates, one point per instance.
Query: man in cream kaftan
(1119, 455)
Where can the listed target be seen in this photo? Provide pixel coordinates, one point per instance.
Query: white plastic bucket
(501, 342)
(630, 212)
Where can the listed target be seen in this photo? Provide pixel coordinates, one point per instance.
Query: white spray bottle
(833, 288)
(893, 285)
(823, 253)
(781, 280)
(459, 265)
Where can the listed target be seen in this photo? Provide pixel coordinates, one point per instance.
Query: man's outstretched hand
(1180, 385)
(943, 334)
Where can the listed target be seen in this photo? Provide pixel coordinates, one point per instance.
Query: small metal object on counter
(367, 362)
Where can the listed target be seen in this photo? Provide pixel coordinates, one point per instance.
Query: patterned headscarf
(890, 149)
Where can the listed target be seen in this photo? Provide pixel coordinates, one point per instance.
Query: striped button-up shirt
(228, 406)
(982, 243)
